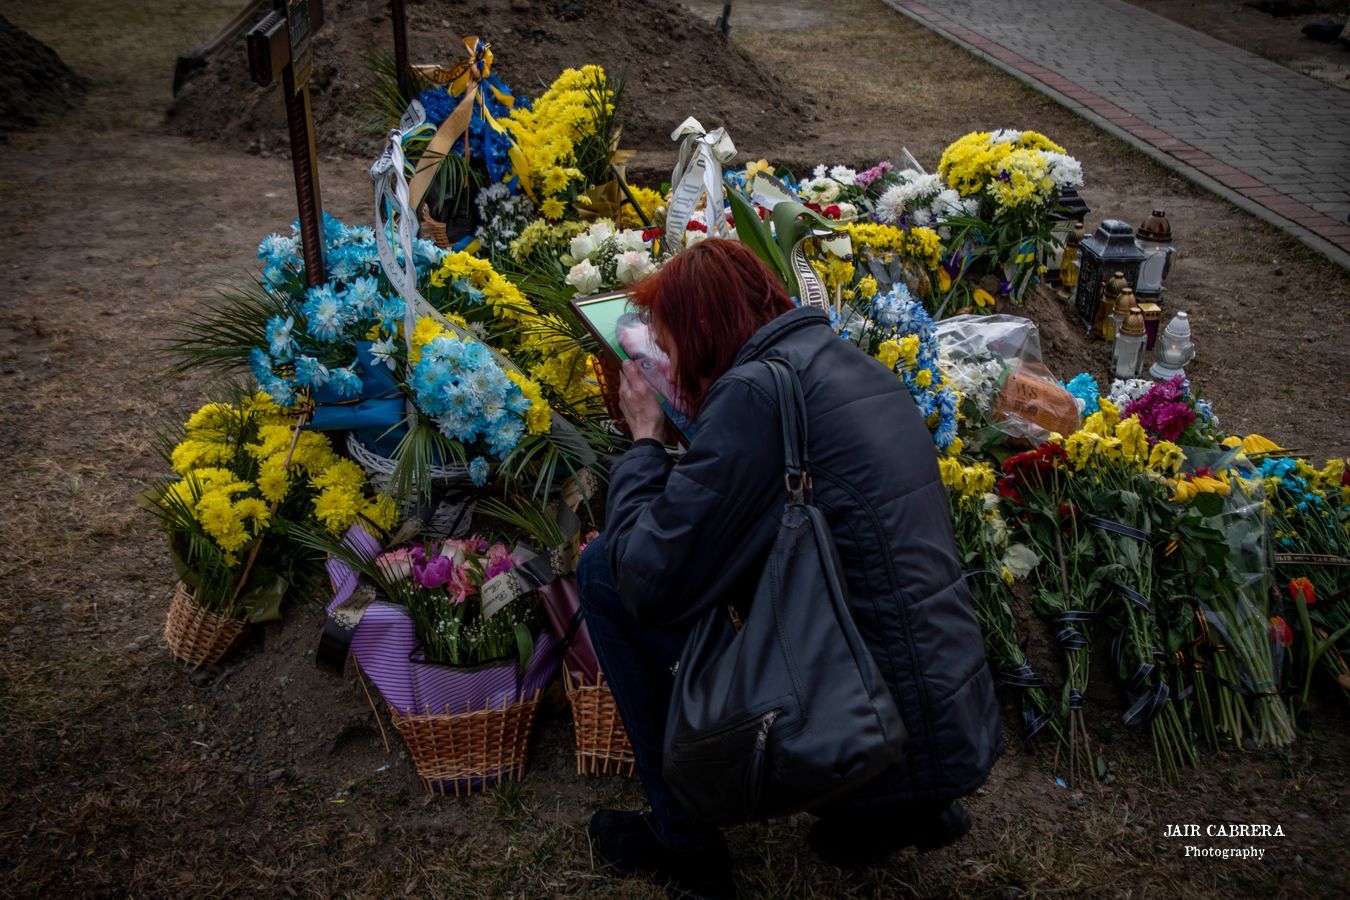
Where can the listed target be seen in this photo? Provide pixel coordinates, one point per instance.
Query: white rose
(633, 266)
(600, 231)
(1020, 560)
(581, 247)
(848, 211)
(631, 239)
(585, 277)
(823, 190)
(996, 531)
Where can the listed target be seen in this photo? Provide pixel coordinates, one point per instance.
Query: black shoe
(628, 843)
(862, 840)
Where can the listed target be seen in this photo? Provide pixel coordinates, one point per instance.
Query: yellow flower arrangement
(563, 367)
(1014, 172)
(922, 244)
(234, 510)
(648, 200)
(569, 111)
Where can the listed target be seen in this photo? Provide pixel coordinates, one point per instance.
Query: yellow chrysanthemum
(648, 200)
(552, 208)
(889, 353)
(342, 473)
(337, 508)
(382, 512)
(273, 482)
(220, 520)
(255, 510)
(313, 452)
(539, 418)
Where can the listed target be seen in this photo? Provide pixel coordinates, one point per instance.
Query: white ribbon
(698, 172)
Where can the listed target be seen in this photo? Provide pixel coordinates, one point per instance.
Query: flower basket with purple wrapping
(461, 675)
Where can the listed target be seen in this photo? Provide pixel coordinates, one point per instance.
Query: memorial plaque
(302, 55)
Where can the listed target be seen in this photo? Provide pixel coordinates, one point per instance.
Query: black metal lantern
(1110, 249)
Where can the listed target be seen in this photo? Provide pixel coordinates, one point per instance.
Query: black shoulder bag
(787, 712)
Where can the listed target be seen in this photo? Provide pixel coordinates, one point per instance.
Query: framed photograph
(601, 314)
(623, 334)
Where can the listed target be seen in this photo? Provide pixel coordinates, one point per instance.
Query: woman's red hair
(706, 302)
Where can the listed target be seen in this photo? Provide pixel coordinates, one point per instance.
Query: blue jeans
(637, 659)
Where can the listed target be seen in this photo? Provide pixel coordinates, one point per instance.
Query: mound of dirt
(36, 87)
(677, 65)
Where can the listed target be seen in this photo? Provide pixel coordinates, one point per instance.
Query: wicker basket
(460, 753)
(435, 231)
(603, 747)
(198, 636)
(449, 516)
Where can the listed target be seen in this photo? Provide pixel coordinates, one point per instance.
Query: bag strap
(792, 414)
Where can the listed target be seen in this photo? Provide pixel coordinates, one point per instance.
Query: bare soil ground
(122, 774)
(1279, 38)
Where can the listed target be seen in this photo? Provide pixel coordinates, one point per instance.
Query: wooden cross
(399, 15)
(280, 42)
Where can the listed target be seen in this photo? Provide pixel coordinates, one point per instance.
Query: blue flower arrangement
(316, 346)
(909, 347)
(470, 399)
(1084, 389)
(486, 144)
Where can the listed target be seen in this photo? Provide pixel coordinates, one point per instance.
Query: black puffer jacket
(683, 537)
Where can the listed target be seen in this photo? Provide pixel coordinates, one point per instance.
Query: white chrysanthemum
(1006, 136)
(1064, 170)
(890, 205)
(844, 175)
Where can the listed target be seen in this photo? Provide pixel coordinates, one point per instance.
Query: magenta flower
(436, 572)
(498, 561)
(1164, 411)
(865, 178)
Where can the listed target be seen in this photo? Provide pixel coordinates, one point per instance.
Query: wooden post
(280, 42)
(398, 12)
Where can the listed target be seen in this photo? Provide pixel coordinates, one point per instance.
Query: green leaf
(755, 233)
(1208, 504)
(524, 644)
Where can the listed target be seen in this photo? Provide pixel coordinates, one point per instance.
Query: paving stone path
(1272, 140)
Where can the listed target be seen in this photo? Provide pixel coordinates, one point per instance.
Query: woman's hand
(639, 404)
